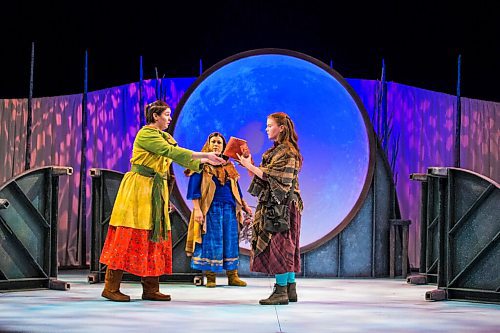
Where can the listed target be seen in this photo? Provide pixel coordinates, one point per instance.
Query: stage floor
(325, 305)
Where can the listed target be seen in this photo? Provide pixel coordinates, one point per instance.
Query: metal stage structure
(28, 230)
(460, 235)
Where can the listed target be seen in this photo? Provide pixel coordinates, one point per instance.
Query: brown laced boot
(151, 289)
(112, 282)
(234, 280)
(210, 279)
(278, 297)
(292, 292)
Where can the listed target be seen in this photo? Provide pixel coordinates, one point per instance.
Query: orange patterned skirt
(130, 250)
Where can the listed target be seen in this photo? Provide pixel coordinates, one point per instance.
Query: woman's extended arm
(152, 140)
(211, 158)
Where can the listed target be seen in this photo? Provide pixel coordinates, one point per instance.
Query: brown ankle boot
(151, 289)
(234, 280)
(292, 292)
(112, 282)
(210, 279)
(278, 297)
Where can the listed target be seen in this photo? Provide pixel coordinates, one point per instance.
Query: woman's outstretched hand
(213, 158)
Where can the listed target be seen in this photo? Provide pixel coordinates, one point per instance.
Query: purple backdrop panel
(480, 137)
(13, 117)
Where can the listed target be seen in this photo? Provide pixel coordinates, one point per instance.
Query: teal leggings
(285, 278)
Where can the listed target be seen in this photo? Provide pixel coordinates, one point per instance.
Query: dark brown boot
(151, 289)
(234, 280)
(292, 292)
(112, 282)
(278, 297)
(210, 279)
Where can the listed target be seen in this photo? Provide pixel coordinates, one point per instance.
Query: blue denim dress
(220, 244)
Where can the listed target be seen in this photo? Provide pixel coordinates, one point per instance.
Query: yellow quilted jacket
(155, 149)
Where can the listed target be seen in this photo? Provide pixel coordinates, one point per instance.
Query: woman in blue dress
(213, 232)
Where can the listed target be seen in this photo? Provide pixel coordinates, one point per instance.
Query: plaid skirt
(130, 250)
(282, 255)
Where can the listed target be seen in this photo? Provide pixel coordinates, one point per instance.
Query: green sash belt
(158, 204)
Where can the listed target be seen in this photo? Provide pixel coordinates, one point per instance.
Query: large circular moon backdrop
(235, 97)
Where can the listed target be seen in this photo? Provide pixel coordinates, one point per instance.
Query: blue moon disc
(235, 97)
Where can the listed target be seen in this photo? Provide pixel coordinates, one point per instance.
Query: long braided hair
(288, 136)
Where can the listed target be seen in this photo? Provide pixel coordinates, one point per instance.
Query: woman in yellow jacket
(139, 238)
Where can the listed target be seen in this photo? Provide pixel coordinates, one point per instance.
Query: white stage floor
(325, 305)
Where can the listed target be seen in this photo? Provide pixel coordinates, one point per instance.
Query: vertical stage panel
(463, 235)
(28, 229)
(472, 240)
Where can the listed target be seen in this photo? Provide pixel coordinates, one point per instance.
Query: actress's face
(216, 144)
(273, 130)
(163, 120)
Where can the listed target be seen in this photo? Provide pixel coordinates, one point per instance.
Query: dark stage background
(420, 41)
